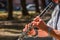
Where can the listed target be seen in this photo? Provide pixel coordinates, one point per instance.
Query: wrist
(48, 29)
(51, 32)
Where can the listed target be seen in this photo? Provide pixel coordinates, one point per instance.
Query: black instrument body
(24, 34)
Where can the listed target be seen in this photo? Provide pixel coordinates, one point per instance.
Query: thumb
(37, 19)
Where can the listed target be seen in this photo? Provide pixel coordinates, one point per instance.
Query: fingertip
(33, 24)
(26, 25)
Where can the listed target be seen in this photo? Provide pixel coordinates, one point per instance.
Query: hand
(31, 32)
(39, 23)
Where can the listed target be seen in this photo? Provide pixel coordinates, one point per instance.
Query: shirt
(54, 21)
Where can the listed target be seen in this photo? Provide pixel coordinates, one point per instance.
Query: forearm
(53, 32)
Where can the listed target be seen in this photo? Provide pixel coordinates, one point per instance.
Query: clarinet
(24, 34)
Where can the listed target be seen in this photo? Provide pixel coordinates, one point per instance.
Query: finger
(37, 22)
(25, 28)
(34, 23)
(36, 18)
(29, 24)
(26, 25)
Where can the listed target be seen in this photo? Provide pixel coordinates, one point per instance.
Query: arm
(53, 32)
(39, 23)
